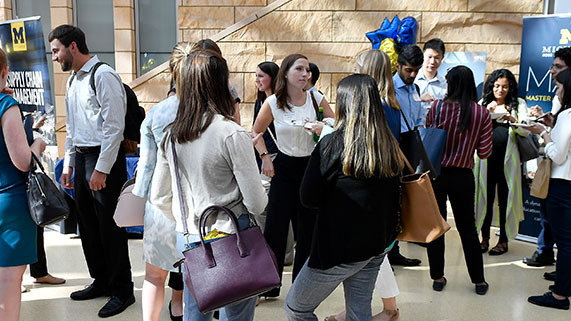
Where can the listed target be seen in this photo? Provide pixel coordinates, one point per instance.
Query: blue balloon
(406, 34)
(374, 39)
(385, 23)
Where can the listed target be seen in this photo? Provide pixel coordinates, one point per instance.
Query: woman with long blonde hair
(159, 239)
(356, 170)
(376, 64)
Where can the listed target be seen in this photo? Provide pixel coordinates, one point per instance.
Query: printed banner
(29, 78)
(542, 36)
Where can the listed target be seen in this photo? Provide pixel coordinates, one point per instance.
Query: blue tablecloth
(131, 166)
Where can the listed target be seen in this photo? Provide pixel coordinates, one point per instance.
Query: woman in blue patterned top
(159, 239)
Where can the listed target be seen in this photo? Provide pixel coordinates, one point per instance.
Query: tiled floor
(511, 282)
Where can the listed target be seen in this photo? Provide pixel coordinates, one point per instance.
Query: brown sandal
(484, 245)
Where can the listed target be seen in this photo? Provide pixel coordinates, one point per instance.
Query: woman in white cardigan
(216, 165)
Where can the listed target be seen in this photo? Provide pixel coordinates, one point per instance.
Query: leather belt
(87, 149)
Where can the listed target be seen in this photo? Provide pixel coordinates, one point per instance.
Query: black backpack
(133, 118)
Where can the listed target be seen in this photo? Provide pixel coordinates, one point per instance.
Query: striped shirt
(460, 146)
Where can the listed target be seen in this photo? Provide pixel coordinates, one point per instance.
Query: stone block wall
(332, 32)
(198, 19)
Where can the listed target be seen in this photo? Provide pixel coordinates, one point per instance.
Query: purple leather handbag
(228, 269)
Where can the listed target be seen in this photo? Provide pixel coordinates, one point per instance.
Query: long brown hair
(204, 92)
(370, 149)
(281, 81)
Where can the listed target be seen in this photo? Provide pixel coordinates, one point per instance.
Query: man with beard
(407, 93)
(94, 130)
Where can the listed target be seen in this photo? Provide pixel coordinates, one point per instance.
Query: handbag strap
(32, 166)
(405, 120)
(179, 189)
(205, 214)
(315, 106)
(438, 107)
(406, 162)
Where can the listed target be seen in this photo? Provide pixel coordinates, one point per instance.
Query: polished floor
(511, 282)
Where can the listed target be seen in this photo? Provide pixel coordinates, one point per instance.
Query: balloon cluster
(393, 35)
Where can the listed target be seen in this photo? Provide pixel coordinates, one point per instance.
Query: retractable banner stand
(23, 42)
(542, 36)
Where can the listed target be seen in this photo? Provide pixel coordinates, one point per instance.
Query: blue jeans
(312, 286)
(559, 215)
(545, 238)
(240, 311)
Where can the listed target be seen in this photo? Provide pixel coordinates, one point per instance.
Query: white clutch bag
(130, 210)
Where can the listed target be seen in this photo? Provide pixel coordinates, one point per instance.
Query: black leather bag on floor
(46, 202)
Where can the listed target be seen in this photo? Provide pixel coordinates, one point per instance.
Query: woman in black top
(266, 74)
(352, 179)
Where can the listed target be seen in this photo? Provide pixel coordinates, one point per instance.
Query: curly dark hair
(565, 55)
(511, 97)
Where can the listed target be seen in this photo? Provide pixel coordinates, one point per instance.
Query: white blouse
(292, 138)
(559, 150)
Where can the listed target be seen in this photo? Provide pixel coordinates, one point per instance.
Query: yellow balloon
(389, 47)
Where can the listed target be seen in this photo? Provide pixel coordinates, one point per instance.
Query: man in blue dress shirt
(408, 64)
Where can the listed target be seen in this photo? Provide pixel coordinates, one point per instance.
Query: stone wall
(332, 32)
(198, 19)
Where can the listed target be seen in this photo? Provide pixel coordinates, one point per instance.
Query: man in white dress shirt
(431, 84)
(94, 130)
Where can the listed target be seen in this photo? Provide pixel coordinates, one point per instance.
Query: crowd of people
(330, 172)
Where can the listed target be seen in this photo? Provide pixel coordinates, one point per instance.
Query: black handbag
(528, 147)
(46, 201)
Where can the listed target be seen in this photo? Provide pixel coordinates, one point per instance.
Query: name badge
(289, 117)
(415, 96)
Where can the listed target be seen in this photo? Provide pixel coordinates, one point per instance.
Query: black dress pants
(457, 184)
(284, 206)
(104, 244)
(40, 268)
(497, 178)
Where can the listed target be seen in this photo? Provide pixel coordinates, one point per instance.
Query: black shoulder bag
(46, 202)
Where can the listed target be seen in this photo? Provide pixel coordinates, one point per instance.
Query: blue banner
(542, 36)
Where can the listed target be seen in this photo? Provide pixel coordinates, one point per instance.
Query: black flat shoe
(399, 259)
(90, 292)
(173, 317)
(439, 286)
(549, 276)
(115, 305)
(481, 289)
(484, 245)
(547, 300)
(537, 259)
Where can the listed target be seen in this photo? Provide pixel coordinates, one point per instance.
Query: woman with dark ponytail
(469, 129)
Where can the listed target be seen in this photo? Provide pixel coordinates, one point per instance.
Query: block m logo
(565, 36)
(19, 36)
